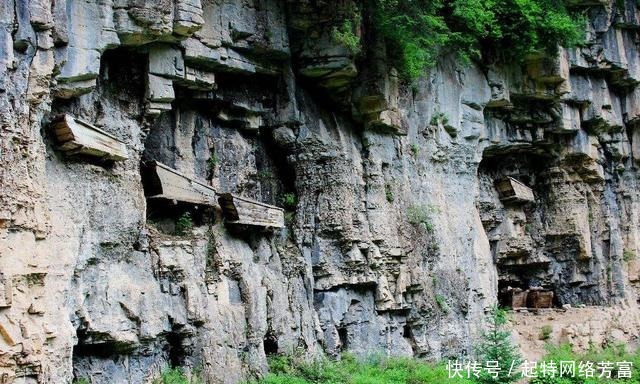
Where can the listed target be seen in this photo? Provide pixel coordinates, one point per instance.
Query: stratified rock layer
(396, 239)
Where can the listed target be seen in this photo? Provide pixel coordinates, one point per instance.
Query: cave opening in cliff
(176, 350)
(406, 331)
(88, 347)
(343, 336)
(270, 344)
(177, 218)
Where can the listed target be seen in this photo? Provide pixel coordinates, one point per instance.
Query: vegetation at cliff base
(350, 370)
(418, 32)
(176, 376)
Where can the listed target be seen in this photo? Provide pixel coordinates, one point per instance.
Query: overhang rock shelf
(163, 182)
(78, 137)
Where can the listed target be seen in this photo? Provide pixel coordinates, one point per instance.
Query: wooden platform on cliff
(161, 181)
(243, 211)
(78, 137)
(511, 190)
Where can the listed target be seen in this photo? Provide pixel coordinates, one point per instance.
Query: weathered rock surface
(396, 238)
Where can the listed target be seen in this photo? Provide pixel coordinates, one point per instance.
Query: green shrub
(212, 162)
(81, 380)
(265, 175)
(420, 216)
(442, 303)
(184, 225)
(346, 36)
(172, 376)
(415, 150)
(628, 255)
(439, 117)
(496, 345)
(289, 200)
(418, 32)
(388, 191)
(545, 332)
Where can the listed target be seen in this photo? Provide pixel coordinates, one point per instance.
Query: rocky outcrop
(396, 237)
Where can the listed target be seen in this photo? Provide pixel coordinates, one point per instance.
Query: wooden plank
(240, 210)
(512, 190)
(165, 182)
(78, 137)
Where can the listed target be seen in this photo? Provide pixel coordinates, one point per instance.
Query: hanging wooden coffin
(540, 299)
(78, 137)
(161, 181)
(512, 190)
(240, 210)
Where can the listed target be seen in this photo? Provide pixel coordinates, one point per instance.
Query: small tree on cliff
(496, 346)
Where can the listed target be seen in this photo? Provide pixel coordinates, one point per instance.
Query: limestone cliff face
(396, 240)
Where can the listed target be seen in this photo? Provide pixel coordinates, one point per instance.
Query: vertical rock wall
(396, 239)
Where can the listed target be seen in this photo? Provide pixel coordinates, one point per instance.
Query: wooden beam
(161, 181)
(78, 137)
(240, 210)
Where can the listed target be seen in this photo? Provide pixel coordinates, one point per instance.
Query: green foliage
(388, 191)
(442, 303)
(81, 380)
(496, 345)
(265, 174)
(439, 117)
(417, 32)
(415, 150)
(289, 200)
(545, 332)
(176, 376)
(346, 36)
(420, 216)
(351, 370)
(212, 162)
(184, 225)
(628, 255)
(289, 218)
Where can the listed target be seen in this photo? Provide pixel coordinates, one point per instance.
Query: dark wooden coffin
(540, 299)
(518, 298)
(240, 210)
(161, 181)
(78, 137)
(512, 190)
